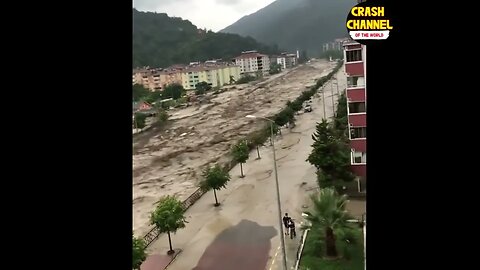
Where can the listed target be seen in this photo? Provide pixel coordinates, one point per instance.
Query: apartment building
(356, 92)
(285, 60)
(157, 79)
(213, 73)
(250, 62)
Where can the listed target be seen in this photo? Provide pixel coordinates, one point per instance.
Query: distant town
(215, 73)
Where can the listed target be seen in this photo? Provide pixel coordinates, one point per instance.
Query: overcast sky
(211, 14)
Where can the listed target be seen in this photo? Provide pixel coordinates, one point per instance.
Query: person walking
(286, 222)
(291, 225)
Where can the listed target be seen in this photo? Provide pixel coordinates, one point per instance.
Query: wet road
(244, 246)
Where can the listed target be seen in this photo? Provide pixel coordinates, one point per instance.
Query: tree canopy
(162, 41)
(173, 90)
(168, 216)
(138, 255)
(330, 217)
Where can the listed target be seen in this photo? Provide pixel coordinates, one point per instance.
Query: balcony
(356, 95)
(354, 69)
(358, 120)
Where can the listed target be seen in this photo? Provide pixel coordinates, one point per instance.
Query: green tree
(330, 217)
(138, 255)
(245, 79)
(215, 178)
(153, 96)
(295, 106)
(275, 68)
(285, 116)
(330, 154)
(240, 153)
(139, 92)
(140, 120)
(257, 139)
(341, 118)
(173, 90)
(162, 116)
(161, 41)
(168, 216)
(201, 88)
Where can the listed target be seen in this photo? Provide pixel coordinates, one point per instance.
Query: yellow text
(368, 11)
(368, 24)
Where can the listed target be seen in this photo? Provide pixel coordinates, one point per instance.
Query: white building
(252, 61)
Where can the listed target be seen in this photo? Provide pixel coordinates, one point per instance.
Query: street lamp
(280, 221)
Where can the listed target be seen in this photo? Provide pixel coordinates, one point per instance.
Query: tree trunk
(330, 243)
(170, 243)
(215, 194)
(241, 170)
(258, 152)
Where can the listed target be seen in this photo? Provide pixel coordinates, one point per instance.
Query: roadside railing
(153, 234)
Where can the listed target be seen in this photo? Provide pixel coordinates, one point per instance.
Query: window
(196, 76)
(358, 132)
(358, 157)
(355, 81)
(355, 55)
(356, 107)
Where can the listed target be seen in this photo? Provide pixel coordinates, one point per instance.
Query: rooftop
(250, 55)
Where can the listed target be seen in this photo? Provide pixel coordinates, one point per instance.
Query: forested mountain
(160, 41)
(296, 24)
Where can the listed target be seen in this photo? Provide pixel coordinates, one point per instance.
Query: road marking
(274, 257)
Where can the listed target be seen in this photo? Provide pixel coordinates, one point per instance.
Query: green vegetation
(139, 120)
(153, 96)
(173, 90)
(275, 68)
(161, 41)
(287, 115)
(139, 92)
(330, 155)
(255, 140)
(168, 216)
(138, 254)
(215, 178)
(341, 119)
(296, 24)
(353, 256)
(201, 88)
(246, 78)
(240, 153)
(332, 242)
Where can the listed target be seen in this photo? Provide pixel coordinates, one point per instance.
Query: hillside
(161, 41)
(299, 24)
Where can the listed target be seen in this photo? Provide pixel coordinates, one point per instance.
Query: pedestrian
(293, 233)
(286, 222)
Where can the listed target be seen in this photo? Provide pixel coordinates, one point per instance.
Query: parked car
(307, 108)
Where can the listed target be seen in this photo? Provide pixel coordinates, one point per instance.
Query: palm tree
(329, 217)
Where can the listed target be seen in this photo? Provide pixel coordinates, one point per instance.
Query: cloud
(228, 2)
(156, 5)
(210, 14)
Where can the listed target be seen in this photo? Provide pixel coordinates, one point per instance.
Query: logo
(368, 21)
